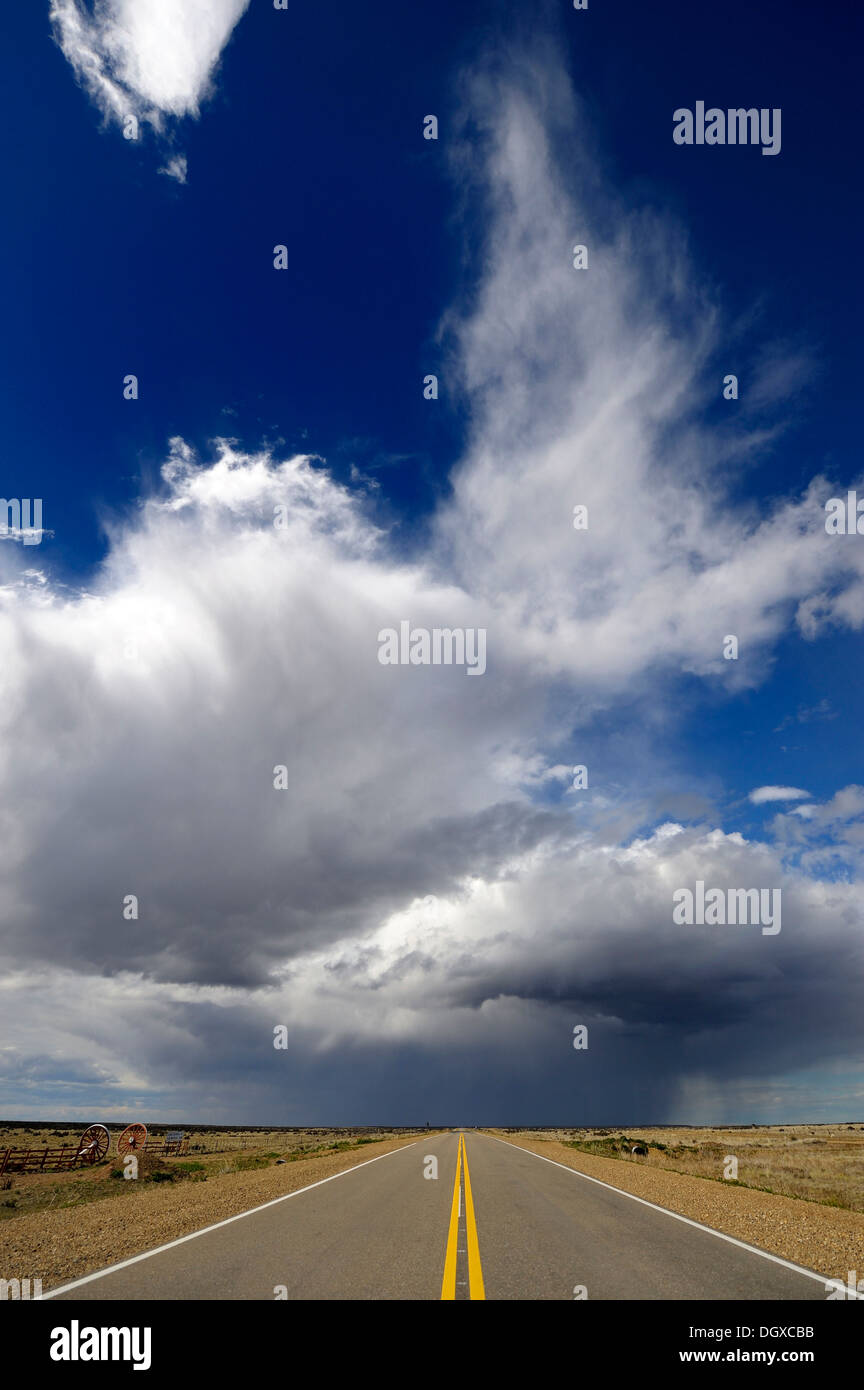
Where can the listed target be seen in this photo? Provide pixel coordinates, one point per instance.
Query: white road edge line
(181, 1240)
(688, 1221)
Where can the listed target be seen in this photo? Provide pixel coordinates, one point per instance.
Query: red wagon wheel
(132, 1140)
(93, 1144)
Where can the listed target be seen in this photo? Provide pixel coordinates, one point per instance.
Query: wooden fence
(38, 1160)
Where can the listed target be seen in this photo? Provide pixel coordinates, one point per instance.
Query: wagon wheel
(93, 1144)
(132, 1140)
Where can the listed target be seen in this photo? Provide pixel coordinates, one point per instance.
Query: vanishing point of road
(497, 1222)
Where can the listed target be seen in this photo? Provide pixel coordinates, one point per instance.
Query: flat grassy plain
(212, 1153)
(817, 1163)
(799, 1191)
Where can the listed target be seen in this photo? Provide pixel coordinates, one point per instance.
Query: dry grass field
(212, 1153)
(799, 1192)
(818, 1163)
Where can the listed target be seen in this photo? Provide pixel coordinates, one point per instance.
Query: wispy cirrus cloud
(590, 387)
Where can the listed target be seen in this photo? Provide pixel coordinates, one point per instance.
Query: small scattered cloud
(363, 479)
(807, 714)
(826, 839)
(175, 168)
(762, 794)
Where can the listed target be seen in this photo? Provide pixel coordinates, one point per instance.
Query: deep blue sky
(312, 139)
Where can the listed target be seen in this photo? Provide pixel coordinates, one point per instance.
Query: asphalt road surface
(497, 1222)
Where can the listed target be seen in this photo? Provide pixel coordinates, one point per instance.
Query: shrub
(249, 1161)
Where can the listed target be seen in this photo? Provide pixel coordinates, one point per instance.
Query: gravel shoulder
(829, 1240)
(57, 1246)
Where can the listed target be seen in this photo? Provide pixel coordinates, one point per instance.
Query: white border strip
(688, 1221)
(193, 1235)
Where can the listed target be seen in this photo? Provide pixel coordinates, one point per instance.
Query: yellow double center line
(475, 1272)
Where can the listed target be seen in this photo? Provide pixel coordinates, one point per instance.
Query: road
(497, 1222)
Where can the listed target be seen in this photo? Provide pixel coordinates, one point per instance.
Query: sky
(223, 816)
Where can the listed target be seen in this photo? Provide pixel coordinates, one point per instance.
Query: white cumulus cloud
(147, 58)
